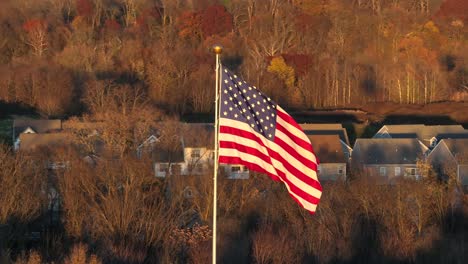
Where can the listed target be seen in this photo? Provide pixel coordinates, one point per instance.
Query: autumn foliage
(135, 67)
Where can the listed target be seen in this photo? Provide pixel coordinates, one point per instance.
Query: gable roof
(423, 132)
(33, 141)
(198, 135)
(326, 129)
(327, 148)
(38, 125)
(458, 148)
(164, 156)
(387, 151)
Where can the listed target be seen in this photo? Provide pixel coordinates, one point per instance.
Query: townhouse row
(394, 151)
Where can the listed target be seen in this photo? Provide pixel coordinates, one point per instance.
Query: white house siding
(388, 172)
(235, 172)
(163, 169)
(331, 171)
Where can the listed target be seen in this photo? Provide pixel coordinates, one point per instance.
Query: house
(169, 162)
(331, 155)
(147, 145)
(388, 158)
(33, 126)
(428, 135)
(450, 156)
(31, 142)
(330, 129)
(194, 155)
(199, 154)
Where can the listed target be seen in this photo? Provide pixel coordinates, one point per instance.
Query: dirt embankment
(391, 113)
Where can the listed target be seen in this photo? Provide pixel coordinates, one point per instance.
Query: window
(383, 171)
(397, 171)
(245, 169)
(410, 172)
(235, 169)
(318, 169)
(195, 153)
(163, 167)
(340, 170)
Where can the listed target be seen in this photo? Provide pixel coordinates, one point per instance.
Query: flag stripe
(295, 173)
(232, 149)
(311, 207)
(296, 159)
(298, 154)
(254, 131)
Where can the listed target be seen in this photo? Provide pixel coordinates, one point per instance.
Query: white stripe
(294, 130)
(252, 159)
(275, 147)
(299, 150)
(248, 158)
(306, 204)
(300, 134)
(276, 164)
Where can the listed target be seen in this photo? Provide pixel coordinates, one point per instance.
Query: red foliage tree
(84, 7)
(454, 9)
(300, 62)
(112, 25)
(215, 20)
(189, 24)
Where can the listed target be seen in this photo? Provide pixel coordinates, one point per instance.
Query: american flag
(256, 132)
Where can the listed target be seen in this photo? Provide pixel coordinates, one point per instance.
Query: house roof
(327, 148)
(198, 135)
(165, 156)
(326, 129)
(424, 132)
(39, 126)
(387, 151)
(33, 141)
(458, 148)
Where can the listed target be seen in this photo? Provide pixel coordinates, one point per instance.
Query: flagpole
(217, 49)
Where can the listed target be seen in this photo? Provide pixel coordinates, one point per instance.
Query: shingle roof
(198, 135)
(387, 151)
(327, 148)
(33, 141)
(425, 133)
(458, 148)
(39, 126)
(165, 156)
(326, 129)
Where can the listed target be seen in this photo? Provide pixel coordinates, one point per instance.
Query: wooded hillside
(69, 57)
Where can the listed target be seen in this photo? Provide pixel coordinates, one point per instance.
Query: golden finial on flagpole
(217, 49)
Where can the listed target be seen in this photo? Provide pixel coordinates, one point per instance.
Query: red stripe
(298, 141)
(296, 190)
(245, 149)
(241, 133)
(307, 163)
(249, 165)
(288, 119)
(237, 160)
(292, 169)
